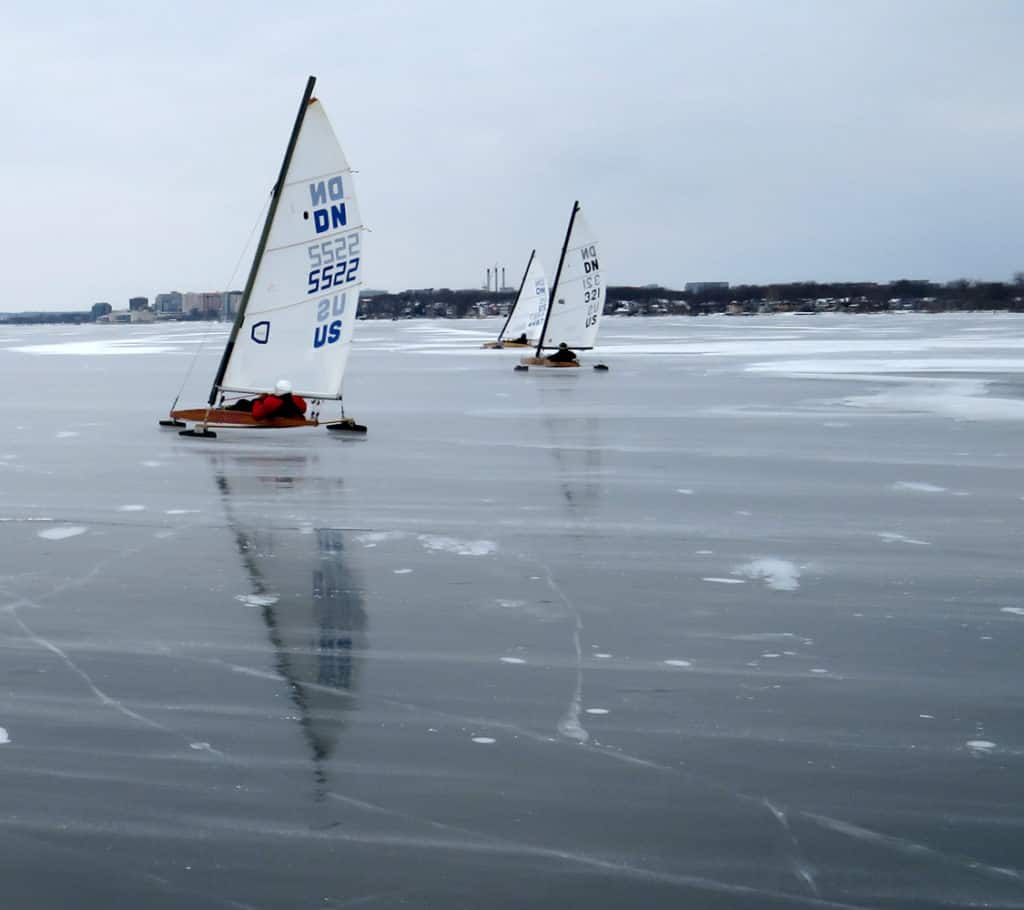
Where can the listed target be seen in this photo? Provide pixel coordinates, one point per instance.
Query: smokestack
(496, 276)
(488, 285)
(503, 276)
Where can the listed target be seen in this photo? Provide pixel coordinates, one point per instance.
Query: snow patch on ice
(678, 663)
(685, 491)
(131, 508)
(1016, 611)
(257, 600)
(66, 434)
(917, 486)
(777, 574)
(484, 740)
(62, 533)
(724, 581)
(401, 571)
(979, 746)
(95, 348)
(961, 400)
(372, 538)
(458, 547)
(512, 660)
(597, 710)
(152, 464)
(818, 670)
(876, 369)
(4, 737)
(602, 655)
(181, 511)
(893, 537)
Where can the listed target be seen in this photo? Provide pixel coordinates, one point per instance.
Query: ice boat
(528, 310)
(298, 310)
(576, 300)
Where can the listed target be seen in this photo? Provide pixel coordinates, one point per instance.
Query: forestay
(298, 320)
(577, 299)
(531, 304)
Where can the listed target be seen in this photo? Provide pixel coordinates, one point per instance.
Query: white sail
(577, 300)
(531, 305)
(301, 311)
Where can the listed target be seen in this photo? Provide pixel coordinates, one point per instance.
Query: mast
(519, 294)
(261, 247)
(558, 274)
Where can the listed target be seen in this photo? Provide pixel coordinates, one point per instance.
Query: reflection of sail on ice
(311, 600)
(576, 447)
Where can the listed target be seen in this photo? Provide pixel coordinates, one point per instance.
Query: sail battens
(298, 181)
(303, 393)
(282, 306)
(319, 238)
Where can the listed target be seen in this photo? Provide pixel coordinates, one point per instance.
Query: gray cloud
(747, 141)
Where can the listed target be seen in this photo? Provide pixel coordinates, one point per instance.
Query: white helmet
(283, 387)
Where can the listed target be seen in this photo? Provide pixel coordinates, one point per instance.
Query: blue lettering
(318, 193)
(338, 309)
(326, 334)
(260, 332)
(328, 219)
(334, 188)
(323, 308)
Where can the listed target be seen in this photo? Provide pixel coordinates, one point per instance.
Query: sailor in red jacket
(280, 403)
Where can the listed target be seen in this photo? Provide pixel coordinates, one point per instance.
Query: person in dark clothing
(522, 339)
(563, 355)
(280, 403)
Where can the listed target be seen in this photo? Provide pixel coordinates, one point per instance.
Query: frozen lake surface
(737, 624)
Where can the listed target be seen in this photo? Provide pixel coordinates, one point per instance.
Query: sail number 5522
(335, 262)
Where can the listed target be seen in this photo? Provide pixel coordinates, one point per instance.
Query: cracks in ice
(569, 726)
(912, 848)
(467, 841)
(101, 696)
(801, 868)
(13, 606)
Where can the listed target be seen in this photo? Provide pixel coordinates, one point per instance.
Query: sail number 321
(593, 293)
(335, 262)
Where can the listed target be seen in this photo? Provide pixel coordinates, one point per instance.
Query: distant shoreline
(698, 299)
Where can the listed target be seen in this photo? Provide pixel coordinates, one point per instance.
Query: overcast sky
(738, 140)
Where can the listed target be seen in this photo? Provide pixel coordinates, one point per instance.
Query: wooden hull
(222, 417)
(498, 345)
(544, 362)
